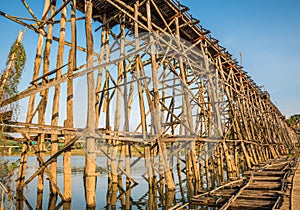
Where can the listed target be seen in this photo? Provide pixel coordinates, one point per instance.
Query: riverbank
(74, 152)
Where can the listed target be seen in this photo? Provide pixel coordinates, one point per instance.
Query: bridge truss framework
(159, 85)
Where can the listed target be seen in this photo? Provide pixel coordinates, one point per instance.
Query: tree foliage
(294, 121)
(17, 52)
(9, 80)
(11, 76)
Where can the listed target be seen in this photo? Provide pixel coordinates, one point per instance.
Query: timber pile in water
(266, 187)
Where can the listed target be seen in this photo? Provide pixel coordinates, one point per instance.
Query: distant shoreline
(74, 152)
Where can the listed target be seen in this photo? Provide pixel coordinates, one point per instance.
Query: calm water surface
(139, 194)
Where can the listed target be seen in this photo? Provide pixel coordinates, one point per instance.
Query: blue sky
(266, 32)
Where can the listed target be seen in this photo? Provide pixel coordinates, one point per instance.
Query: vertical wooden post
(69, 120)
(220, 163)
(160, 163)
(212, 171)
(155, 117)
(117, 113)
(155, 114)
(207, 174)
(141, 99)
(114, 168)
(100, 74)
(121, 75)
(234, 113)
(120, 165)
(106, 105)
(56, 97)
(41, 142)
(231, 168)
(44, 94)
(180, 176)
(90, 157)
(186, 108)
(30, 112)
(128, 190)
(31, 102)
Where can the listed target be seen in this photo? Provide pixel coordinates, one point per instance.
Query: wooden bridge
(266, 187)
(157, 83)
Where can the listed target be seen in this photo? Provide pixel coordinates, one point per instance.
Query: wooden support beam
(50, 160)
(201, 107)
(61, 8)
(40, 32)
(69, 120)
(66, 77)
(29, 10)
(90, 157)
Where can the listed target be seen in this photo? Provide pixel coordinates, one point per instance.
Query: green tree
(294, 121)
(9, 80)
(15, 63)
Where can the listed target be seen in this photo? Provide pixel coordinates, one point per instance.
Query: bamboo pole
(187, 112)
(69, 120)
(231, 168)
(139, 67)
(100, 71)
(207, 174)
(220, 164)
(121, 75)
(30, 11)
(48, 173)
(155, 118)
(90, 157)
(248, 124)
(155, 115)
(56, 96)
(106, 108)
(212, 171)
(25, 147)
(128, 187)
(120, 165)
(41, 137)
(44, 93)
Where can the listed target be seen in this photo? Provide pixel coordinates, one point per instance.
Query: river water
(139, 194)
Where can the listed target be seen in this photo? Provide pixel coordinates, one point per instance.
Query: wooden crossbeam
(45, 164)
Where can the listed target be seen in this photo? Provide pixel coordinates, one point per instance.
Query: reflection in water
(52, 201)
(121, 195)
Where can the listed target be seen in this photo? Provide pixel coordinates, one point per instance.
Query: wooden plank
(234, 197)
(253, 204)
(295, 194)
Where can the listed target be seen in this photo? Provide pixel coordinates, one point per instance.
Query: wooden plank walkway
(295, 200)
(267, 187)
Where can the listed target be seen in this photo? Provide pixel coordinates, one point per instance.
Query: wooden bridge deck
(295, 199)
(267, 187)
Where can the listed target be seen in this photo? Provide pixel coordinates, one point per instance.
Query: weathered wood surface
(295, 193)
(194, 103)
(261, 190)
